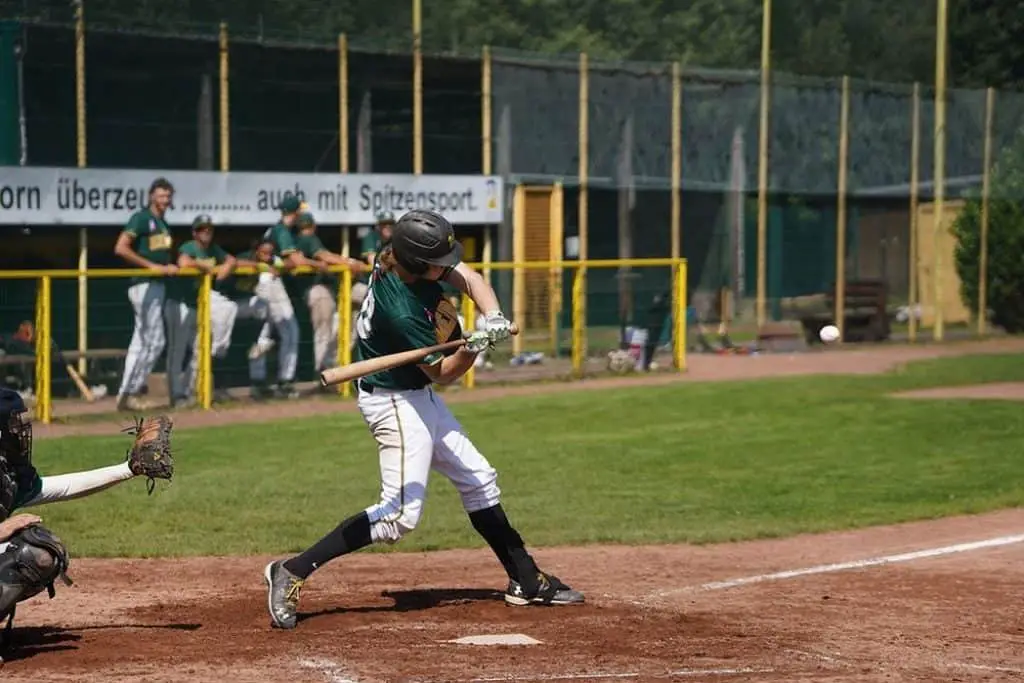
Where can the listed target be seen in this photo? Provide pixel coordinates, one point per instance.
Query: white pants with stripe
(147, 300)
(182, 334)
(282, 320)
(416, 433)
(323, 314)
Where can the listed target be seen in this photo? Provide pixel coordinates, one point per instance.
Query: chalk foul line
(845, 566)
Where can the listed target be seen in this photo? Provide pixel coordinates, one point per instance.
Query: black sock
(347, 537)
(507, 544)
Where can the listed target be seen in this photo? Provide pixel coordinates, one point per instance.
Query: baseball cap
(291, 204)
(306, 218)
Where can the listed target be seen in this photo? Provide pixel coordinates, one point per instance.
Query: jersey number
(365, 316)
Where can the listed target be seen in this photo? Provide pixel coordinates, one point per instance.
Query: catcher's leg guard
(33, 560)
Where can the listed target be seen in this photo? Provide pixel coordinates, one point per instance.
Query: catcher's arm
(150, 452)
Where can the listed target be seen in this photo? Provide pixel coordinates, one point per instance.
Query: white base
(497, 639)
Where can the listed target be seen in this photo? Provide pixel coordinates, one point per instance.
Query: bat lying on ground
(347, 373)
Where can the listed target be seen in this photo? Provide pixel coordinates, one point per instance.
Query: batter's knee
(484, 496)
(390, 528)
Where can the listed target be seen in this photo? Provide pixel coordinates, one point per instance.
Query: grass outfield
(695, 462)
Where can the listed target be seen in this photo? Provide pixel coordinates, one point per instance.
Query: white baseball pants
(148, 340)
(282, 318)
(415, 432)
(323, 313)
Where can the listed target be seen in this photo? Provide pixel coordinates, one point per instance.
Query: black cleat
(550, 592)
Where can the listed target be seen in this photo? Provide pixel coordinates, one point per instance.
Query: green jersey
(241, 285)
(210, 256)
(283, 239)
(397, 316)
(151, 239)
(369, 246)
(309, 245)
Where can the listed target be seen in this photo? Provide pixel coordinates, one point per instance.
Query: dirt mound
(1005, 391)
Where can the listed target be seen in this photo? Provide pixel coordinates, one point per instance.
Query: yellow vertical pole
(938, 332)
(81, 137)
(343, 103)
(578, 313)
(518, 256)
(677, 157)
(225, 128)
(762, 162)
(417, 88)
(581, 220)
(679, 317)
(556, 219)
(487, 143)
(345, 324)
(844, 150)
(204, 329)
(469, 315)
(986, 188)
(44, 344)
(676, 182)
(915, 164)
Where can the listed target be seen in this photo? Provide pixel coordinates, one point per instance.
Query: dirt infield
(854, 359)
(651, 615)
(1001, 391)
(915, 602)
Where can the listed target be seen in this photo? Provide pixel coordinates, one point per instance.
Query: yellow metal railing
(204, 380)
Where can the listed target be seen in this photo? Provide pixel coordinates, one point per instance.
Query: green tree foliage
(1005, 275)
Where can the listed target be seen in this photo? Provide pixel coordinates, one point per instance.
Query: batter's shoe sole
(282, 595)
(551, 592)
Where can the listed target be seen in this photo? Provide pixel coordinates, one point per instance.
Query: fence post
(677, 157)
(844, 148)
(915, 163)
(580, 306)
(225, 101)
(518, 257)
(938, 331)
(343, 103)
(345, 324)
(81, 138)
(578, 297)
(417, 88)
(469, 315)
(679, 316)
(986, 188)
(762, 160)
(44, 343)
(204, 381)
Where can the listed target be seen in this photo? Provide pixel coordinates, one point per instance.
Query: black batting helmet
(424, 238)
(15, 428)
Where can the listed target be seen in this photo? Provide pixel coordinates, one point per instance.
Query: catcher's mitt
(150, 453)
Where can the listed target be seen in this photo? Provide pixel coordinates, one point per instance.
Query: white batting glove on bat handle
(478, 342)
(498, 328)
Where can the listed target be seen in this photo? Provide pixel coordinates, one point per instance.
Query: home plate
(497, 639)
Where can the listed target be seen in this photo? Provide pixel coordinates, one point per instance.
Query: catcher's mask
(15, 429)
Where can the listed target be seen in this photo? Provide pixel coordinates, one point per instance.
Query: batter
(415, 432)
(146, 243)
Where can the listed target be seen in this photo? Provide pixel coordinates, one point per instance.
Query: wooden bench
(99, 368)
(865, 313)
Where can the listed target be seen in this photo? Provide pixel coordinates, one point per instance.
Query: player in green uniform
(369, 246)
(415, 432)
(202, 253)
(243, 290)
(146, 242)
(271, 289)
(322, 295)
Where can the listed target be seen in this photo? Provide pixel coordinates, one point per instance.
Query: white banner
(93, 196)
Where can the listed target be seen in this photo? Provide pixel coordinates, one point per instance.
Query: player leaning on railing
(226, 307)
(322, 295)
(31, 557)
(405, 309)
(146, 242)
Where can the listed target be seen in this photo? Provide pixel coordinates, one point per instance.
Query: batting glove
(478, 342)
(498, 328)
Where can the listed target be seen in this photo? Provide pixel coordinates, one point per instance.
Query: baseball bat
(347, 373)
(75, 377)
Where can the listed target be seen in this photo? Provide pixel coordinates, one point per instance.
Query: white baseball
(829, 333)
